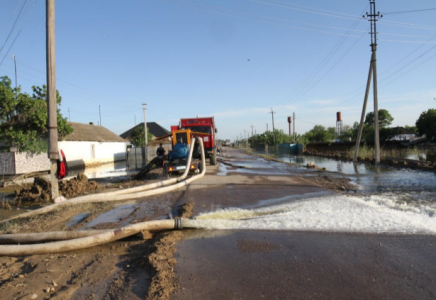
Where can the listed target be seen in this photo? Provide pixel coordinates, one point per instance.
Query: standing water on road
(388, 201)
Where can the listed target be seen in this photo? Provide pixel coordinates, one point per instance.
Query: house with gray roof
(88, 145)
(155, 129)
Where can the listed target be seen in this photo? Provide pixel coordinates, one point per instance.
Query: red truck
(206, 126)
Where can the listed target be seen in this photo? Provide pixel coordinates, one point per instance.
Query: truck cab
(206, 126)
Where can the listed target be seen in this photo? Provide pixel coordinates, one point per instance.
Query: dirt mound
(78, 186)
(40, 191)
(162, 261)
(186, 210)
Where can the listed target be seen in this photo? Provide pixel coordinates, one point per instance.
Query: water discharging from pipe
(372, 214)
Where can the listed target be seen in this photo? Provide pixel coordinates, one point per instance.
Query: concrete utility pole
(293, 115)
(274, 133)
(53, 151)
(372, 18)
(144, 108)
(15, 63)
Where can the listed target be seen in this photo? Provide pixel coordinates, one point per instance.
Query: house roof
(155, 129)
(401, 130)
(91, 133)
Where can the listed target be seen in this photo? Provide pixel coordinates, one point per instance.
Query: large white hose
(86, 242)
(127, 194)
(29, 238)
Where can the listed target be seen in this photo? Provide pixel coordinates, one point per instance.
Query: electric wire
(286, 20)
(19, 16)
(350, 17)
(409, 11)
(324, 62)
(10, 19)
(256, 20)
(265, 17)
(18, 34)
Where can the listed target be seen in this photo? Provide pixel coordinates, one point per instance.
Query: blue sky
(232, 59)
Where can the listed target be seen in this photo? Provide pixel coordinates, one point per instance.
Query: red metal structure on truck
(207, 127)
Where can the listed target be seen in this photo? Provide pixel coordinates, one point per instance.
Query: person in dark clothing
(160, 151)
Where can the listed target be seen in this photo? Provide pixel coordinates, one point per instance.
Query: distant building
(155, 129)
(88, 145)
(402, 134)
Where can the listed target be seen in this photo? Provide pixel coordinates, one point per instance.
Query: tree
(347, 133)
(411, 129)
(320, 134)
(23, 118)
(426, 124)
(138, 136)
(384, 118)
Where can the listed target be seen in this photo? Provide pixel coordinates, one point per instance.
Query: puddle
(118, 169)
(113, 216)
(76, 219)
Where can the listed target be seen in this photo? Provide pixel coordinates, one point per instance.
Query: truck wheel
(212, 158)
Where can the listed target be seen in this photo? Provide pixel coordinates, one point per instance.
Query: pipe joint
(178, 224)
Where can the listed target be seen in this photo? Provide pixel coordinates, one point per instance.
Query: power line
(332, 52)
(349, 16)
(7, 24)
(304, 10)
(18, 34)
(266, 17)
(257, 20)
(409, 11)
(13, 26)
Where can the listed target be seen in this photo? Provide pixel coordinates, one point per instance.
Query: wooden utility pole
(373, 18)
(52, 123)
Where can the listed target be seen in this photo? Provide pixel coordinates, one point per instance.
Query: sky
(236, 60)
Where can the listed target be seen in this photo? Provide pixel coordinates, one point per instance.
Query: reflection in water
(377, 179)
(106, 170)
(356, 169)
(340, 167)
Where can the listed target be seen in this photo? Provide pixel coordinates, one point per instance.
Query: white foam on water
(372, 214)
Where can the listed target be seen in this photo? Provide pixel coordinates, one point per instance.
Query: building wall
(92, 153)
(27, 162)
(7, 163)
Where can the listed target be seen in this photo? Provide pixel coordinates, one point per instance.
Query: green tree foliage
(349, 133)
(426, 124)
(384, 118)
(23, 118)
(413, 129)
(320, 134)
(138, 136)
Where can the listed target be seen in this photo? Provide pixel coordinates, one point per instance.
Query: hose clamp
(178, 224)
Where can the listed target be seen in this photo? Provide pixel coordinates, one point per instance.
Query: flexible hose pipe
(128, 194)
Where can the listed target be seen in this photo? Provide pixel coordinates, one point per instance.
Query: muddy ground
(213, 264)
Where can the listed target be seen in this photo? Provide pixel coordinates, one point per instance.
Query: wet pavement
(296, 265)
(300, 263)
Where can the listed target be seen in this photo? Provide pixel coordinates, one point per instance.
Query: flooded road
(270, 234)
